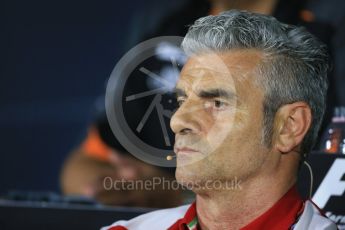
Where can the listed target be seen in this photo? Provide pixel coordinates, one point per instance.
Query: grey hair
(294, 67)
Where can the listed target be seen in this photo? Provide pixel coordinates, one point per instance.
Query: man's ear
(292, 121)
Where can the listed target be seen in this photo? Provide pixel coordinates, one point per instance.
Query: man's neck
(233, 209)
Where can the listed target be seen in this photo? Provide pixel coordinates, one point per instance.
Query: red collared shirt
(288, 213)
(282, 215)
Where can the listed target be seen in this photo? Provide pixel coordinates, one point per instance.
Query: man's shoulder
(312, 218)
(162, 219)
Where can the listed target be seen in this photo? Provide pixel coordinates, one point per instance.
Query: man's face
(218, 126)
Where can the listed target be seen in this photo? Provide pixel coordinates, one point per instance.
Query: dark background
(56, 57)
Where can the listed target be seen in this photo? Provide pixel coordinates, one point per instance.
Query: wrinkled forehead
(220, 69)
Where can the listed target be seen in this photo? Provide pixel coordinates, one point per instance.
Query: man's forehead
(220, 67)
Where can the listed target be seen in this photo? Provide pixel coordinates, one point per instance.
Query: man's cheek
(218, 135)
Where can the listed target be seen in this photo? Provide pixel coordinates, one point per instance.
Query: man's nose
(187, 118)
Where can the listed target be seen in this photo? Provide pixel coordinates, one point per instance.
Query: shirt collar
(282, 215)
(188, 222)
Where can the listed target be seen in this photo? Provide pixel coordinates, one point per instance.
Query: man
(252, 98)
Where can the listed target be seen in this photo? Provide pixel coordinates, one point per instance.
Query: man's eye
(218, 104)
(215, 104)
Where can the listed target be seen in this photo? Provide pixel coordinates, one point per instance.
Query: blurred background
(56, 58)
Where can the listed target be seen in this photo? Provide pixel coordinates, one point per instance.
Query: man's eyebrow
(210, 93)
(214, 93)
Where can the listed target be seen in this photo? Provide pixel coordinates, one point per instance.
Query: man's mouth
(185, 150)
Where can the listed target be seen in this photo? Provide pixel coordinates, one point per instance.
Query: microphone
(170, 157)
(311, 178)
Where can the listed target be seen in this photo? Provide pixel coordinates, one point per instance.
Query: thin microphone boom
(311, 178)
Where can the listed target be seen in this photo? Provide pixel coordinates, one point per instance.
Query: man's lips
(185, 150)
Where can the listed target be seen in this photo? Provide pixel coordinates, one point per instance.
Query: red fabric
(280, 216)
(117, 228)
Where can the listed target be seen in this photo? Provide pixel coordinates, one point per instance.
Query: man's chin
(188, 175)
